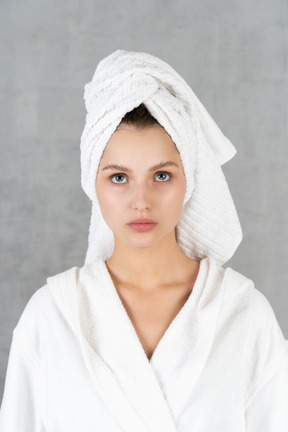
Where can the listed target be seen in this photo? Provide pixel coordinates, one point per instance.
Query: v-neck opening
(153, 391)
(193, 295)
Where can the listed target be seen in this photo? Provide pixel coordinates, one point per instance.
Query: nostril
(141, 199)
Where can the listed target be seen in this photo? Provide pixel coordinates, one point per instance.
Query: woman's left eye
(162, 176)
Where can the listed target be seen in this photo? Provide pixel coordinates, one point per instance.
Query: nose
(141, 197)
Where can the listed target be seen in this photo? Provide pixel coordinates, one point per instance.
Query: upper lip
(142, 221)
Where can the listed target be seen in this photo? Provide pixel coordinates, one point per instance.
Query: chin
(141, 245)
(145, 243)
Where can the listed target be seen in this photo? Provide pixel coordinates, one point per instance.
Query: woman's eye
(162, 176)
(119, 178)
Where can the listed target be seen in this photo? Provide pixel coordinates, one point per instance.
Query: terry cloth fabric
(209, 225)
(77, 364)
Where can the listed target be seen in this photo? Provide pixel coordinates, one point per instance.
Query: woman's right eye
(119, 178)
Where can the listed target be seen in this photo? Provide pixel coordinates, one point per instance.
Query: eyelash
(160, 172)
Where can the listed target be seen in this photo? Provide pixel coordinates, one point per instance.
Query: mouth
(142, 224)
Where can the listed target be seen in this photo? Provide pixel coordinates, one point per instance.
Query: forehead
(129, 141)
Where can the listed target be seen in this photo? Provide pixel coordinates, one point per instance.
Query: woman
(152, 333)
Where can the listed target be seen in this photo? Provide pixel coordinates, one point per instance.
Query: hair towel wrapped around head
(209, 225)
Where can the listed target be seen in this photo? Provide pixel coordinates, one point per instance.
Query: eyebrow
(153, 168)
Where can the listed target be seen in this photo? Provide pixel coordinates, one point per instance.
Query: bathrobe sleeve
(267, 359)
(268, 411)
(22, 401)
(22, 404)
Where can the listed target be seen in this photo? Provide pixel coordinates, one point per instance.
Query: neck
(148, 268)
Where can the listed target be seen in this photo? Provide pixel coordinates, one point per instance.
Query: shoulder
(58, 297)
(241, 292)
(238, 291)
(250, 313)
(45, 303)
(265, 350)
(242, 303)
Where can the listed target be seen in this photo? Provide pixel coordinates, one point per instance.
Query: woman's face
(140, 185)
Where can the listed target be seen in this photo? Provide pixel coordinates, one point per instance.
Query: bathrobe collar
(131, 385)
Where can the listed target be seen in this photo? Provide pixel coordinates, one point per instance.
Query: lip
(142, 224)
(142, 221)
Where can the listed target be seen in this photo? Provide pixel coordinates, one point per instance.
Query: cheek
(110, 200)
(172, 201)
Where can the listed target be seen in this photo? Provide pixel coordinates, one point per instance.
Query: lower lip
(142, 227)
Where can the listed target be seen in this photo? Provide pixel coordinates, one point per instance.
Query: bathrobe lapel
(183, 351)
(115, 355)
(144, 395)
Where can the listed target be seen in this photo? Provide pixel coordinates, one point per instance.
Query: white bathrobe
(77, 365)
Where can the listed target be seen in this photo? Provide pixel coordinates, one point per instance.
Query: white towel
(209, 224)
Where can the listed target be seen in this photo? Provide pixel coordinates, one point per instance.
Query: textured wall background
(233, 53)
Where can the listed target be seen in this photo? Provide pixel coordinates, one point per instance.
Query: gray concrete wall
(233, 53)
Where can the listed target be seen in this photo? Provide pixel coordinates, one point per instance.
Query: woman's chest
(74, 399)
(151, 315)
